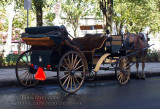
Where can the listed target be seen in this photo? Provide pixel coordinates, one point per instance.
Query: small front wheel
(71, 72)
(122, 70)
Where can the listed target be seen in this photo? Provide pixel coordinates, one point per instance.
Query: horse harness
(133, 46)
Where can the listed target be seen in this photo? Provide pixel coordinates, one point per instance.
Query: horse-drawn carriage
(52, 49)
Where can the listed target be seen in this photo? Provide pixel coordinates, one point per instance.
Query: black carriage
(52, 49)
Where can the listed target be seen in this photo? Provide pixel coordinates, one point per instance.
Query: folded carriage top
(45, 35)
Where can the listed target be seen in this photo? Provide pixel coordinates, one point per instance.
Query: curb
(53, 80)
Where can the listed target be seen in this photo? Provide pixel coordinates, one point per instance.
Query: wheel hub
(124, 71)
(72, 72)
(32, 70)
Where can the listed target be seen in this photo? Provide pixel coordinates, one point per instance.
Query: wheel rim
(24, 73)
(123, 71)
(71, 72)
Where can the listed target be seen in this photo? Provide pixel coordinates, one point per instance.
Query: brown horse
(135, 42)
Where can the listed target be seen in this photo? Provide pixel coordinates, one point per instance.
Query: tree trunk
(75, 31)
(109, 15)
(116, 23)
(104, 11)
(120, 29)
(39, 15)
(19, 47)
(11, 14)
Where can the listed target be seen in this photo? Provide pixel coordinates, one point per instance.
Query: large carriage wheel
(122, 70)
(25, 73)
(71, 72)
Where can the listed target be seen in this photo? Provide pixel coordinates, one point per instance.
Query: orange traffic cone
(40, 75)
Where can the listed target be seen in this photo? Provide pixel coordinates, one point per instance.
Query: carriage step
(104, 68)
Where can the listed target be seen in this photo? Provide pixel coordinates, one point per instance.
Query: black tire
(24, 72)
(122, 70)
(71, 72)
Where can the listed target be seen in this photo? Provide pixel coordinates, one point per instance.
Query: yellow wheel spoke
(65, 80)
(30, 79)
(22, 69)
(72, 60)
(64, 76)
(68, 83)
(64, 67)
(77, 63)
(66, 62)
(75, 60)
(119, 77)
(79, 67)
(74, 83)
(71, 83)
(23, 73)
(25, 77)
(77, 80)
(69, 60)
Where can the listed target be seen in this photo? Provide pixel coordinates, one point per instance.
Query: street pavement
(8, 76)
(102, 94)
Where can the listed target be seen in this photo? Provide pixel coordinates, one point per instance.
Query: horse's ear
(148, 39)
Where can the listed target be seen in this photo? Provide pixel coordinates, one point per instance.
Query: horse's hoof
(138, 76)
(143, 76)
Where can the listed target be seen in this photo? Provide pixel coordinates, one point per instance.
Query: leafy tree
(76, 9)
(154, 17)
(134, 15)
(10, 13)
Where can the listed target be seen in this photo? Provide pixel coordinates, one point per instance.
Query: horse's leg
(137, 66)
(143, 76)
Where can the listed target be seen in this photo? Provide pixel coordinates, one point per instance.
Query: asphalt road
(105, 94)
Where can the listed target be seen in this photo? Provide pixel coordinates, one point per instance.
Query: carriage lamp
(48, 67)
(32, 66)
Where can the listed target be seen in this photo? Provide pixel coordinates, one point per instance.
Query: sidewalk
(8, 76)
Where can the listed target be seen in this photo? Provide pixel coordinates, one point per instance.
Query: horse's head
(135, 41)
(143, 36)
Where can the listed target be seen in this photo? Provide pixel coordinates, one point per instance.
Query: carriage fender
(100, 62)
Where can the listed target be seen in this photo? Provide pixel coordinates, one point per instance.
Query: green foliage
(153, 56)
(12, 58)
(1, 60)
(76, 9)
(49, 19)
(135, 15)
